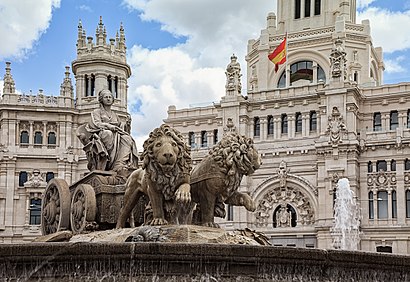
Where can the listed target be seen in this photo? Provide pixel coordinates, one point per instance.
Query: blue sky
(178, 49)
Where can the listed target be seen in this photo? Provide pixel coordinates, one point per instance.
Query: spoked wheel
(55, 207)
(83, 207)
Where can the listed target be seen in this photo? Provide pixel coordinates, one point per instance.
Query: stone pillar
(400, 192)
(88, 94)
(315, 67)
(31, 136)
(263, 129)
(45, 137)
(100, 82)
(277, 127)
(291, 125)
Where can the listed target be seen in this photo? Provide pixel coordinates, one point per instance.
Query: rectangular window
(369, 167)
(49, 176)
(317, 7)
(307, 8)
(393, 204)
(191, 140)
(230, 212)
(381, 165)
(204, 139)
(215, 136)
(312, 121)
(270, 125)
(297, 9)
(377, 122)
(408, 118)
(22, 178)
(407, 203)
(256, 127)
(407, 164)
(284, 123)
(298, 122)
(394, 120)
(371, 206)
(382, 205)
(393, 165)
(35, 211)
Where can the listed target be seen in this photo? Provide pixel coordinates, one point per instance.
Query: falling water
(345, 231)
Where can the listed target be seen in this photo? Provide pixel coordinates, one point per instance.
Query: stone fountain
(163, 249)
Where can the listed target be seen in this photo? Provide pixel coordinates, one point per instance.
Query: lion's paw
(183, 193)
(157, 221)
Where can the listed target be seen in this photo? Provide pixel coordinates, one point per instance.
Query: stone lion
(164, 177)
(216, 179)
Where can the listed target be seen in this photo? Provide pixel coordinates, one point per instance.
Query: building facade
(38, 139)
(323, 116)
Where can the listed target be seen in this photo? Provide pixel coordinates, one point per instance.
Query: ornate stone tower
(100, 65)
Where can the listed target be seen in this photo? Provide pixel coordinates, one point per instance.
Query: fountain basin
(193, 262)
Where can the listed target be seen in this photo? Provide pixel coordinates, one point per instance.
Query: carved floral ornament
(384, 179)
(36, 179)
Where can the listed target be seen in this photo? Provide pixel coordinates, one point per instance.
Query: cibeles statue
(107, 141)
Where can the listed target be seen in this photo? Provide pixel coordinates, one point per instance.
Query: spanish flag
(278, 56)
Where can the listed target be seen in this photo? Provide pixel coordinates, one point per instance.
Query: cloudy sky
(178, 49)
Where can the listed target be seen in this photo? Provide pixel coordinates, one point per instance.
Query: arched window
(35, 211)
(113, 85)
(302, 70)
(384, 249)
(284, 216)
(24, 139)
(382, 205)
(38, 137)
(51, 138)
(284, 123)
(270, 125)
(371, 205)
(298, 122)
(312, 121)
(89, 85)
(256, 127)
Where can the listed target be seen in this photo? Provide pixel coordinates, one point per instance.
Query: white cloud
(84, 8)
(192, 72)
(394, 65)
(389, 29)
(22, 23)
(364, 3)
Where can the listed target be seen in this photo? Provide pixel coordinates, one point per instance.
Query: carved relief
(382, 179)
(282, 173)
(338, 60)
(335, 127)
(36, 179)
(278, 196)
(229, 126)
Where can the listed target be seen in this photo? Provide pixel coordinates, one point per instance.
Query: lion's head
(166, 158)
(235, 154)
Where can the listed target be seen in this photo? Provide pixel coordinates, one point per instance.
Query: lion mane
(167, 182)
(216, 179)
(235, 155)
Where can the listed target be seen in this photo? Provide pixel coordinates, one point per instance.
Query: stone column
(400, 192)
(31, 136)
(100, 82)
(45, 137)
(88, 94)
(263, 129)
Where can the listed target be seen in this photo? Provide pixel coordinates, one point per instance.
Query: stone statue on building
(233, 76)
(283, 217)
(338, 60)
(107, 141)
(282, 173)
(335, 127)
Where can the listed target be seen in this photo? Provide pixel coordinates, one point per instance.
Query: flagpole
(286, 65)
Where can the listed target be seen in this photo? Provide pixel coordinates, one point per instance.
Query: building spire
(101, 33)
(122, 38)
(9, 85)
(66, 88)
(80, 37)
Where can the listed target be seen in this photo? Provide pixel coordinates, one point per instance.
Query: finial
(80, 24)
(101, 23)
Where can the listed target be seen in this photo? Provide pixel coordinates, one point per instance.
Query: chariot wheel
(83, 207)
(55, 207)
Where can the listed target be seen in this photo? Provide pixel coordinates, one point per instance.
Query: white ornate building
(38, 133)
(325, 115)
